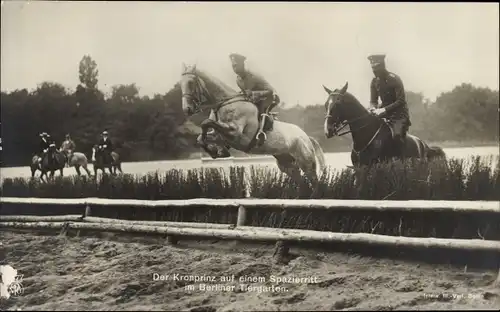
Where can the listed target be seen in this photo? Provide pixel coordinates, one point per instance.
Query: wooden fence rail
(266, 234)
(239, 231)
(330, 204)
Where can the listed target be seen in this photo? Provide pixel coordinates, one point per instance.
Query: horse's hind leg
(286, 163)
(77, 168)
(306, 160)
(87, 170)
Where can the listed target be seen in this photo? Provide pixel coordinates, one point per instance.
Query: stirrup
(261, 133)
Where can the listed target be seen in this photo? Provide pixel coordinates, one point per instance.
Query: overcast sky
(296, 46)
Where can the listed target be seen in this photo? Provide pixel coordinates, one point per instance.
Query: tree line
(153, 128)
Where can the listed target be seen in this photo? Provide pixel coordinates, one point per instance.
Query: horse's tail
(435, 152)
(35, 164)
(319, 154)
(116, 157)
(79, 159)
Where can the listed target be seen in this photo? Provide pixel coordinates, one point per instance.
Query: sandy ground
(90, 273)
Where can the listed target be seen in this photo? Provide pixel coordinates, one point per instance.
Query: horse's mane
(353, 100)
(350, 97)
(214, 84)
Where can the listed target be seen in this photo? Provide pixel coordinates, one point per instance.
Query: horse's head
(334, 113)
(194, 90)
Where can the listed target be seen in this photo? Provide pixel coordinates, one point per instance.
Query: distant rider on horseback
(43, 145)
(389, 87)
(46, 146)
(258, 91)
(68, 147)
(106, 146)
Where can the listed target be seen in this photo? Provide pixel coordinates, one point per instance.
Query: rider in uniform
(43, 145)
(389, 87)
(106, 145)
(69, 146)
(257, 90)
(49, 144)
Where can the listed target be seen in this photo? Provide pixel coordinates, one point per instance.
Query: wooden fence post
(281, 249)
(241, 220)
(242, 216)
(86, 213)
(172, 240)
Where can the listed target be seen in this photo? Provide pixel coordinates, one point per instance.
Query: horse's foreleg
(222, 128)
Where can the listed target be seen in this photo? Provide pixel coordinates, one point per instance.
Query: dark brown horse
(372, 137)
(51, 161)
(102, 161)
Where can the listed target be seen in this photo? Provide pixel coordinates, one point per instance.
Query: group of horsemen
(47, 146)
(385, 85)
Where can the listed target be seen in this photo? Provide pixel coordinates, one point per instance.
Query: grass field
(459, 179)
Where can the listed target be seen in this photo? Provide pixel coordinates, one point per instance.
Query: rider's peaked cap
(376, 59)
(237, 58)
(105, 132)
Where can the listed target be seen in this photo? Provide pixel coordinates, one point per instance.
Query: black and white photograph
(249, 156)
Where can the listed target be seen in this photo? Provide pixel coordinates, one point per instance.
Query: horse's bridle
(339, 125)
(200, 96)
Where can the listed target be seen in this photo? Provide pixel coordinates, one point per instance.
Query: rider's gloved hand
(379, 111)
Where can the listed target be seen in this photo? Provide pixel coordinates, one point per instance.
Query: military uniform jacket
(108, 143)
(68, 145)
(392, 95)
(44, 144)
(256, 84)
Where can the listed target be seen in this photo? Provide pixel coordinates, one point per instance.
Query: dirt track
(117, 274)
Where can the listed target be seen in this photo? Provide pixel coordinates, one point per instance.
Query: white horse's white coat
(238, 124)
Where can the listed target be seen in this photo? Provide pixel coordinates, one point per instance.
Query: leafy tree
(124, 93)
(88, 73)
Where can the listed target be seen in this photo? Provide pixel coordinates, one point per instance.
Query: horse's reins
(201, 91)
(344, 124)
